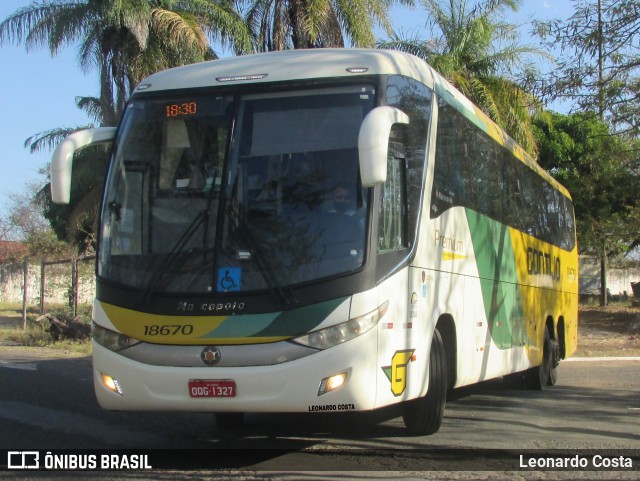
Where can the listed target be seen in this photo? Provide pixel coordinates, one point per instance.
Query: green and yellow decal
(397, 371)
(523, 281)
(228, 329)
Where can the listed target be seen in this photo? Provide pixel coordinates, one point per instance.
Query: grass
(35, 334)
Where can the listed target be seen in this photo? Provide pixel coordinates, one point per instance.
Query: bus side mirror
(373, 143)
(62, 159)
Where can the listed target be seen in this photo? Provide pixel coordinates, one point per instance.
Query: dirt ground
(610, 331)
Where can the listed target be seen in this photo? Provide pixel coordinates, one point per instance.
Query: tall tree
(602, 172)
(599, 66)
(292, 24)
(477, 51)
(599, 72)
(25, 223)
(125, 40)
(128, 39)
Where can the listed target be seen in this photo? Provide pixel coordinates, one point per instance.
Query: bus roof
(287, 65)
(290, 65)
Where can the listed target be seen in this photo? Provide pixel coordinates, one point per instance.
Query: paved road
(49, 404)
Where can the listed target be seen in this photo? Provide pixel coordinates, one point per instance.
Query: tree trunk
(604, 298)
(25, 291)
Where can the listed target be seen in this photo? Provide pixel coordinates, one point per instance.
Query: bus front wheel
(424, 415)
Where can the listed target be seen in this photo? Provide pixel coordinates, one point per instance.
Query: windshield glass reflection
(286, 207)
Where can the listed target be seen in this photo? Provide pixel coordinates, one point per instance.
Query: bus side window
(392, 228)
(414, 99)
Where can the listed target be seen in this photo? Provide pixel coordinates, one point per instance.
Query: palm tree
(287, 24)
(477, 52)
(128, 39)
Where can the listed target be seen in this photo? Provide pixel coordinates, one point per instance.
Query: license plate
(212, 388)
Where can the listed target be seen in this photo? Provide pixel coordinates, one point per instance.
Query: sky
(38, 91)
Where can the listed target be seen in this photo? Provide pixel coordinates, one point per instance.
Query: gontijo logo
(397, 372)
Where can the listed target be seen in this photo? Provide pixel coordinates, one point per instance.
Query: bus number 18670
(168, 330)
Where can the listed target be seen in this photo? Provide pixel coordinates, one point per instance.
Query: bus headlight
(328, 384)
(111, 340)
(334, 335)
(111, 384)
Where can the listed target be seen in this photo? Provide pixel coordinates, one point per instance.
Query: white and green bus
(321, 230)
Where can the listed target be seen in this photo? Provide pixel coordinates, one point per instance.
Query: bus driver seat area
(343, 225)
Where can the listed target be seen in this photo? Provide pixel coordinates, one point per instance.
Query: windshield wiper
(165, 269)
(178, 250)
(208, 208)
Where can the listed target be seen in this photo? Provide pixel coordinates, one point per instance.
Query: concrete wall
(58, 282)
(619, 279)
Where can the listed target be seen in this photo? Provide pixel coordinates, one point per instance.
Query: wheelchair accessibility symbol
(229, 279)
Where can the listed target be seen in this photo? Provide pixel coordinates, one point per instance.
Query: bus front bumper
(296, 386)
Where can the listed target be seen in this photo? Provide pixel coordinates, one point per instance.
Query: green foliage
(77, 222)
(128, 40)
(25, 223)
(473, 48)
(293, 24)
(598, 68)
(601, 171)
(125, 40)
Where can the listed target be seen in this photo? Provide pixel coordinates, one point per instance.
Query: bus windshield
(211, 193)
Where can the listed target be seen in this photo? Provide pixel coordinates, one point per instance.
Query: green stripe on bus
(498, 273)
(302, 320)
(284, 324)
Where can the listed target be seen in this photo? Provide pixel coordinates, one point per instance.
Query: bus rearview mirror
(373, 143)
(62, 159)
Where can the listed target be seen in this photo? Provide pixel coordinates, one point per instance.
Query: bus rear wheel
(424, 415)
(555, 361)
(545, 374)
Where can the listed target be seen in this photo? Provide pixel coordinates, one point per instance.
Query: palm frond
(92, 107)
(223, 23)
(48, 139)
(412, 46)
(51, 23)
(179, 30)
(356, 22)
